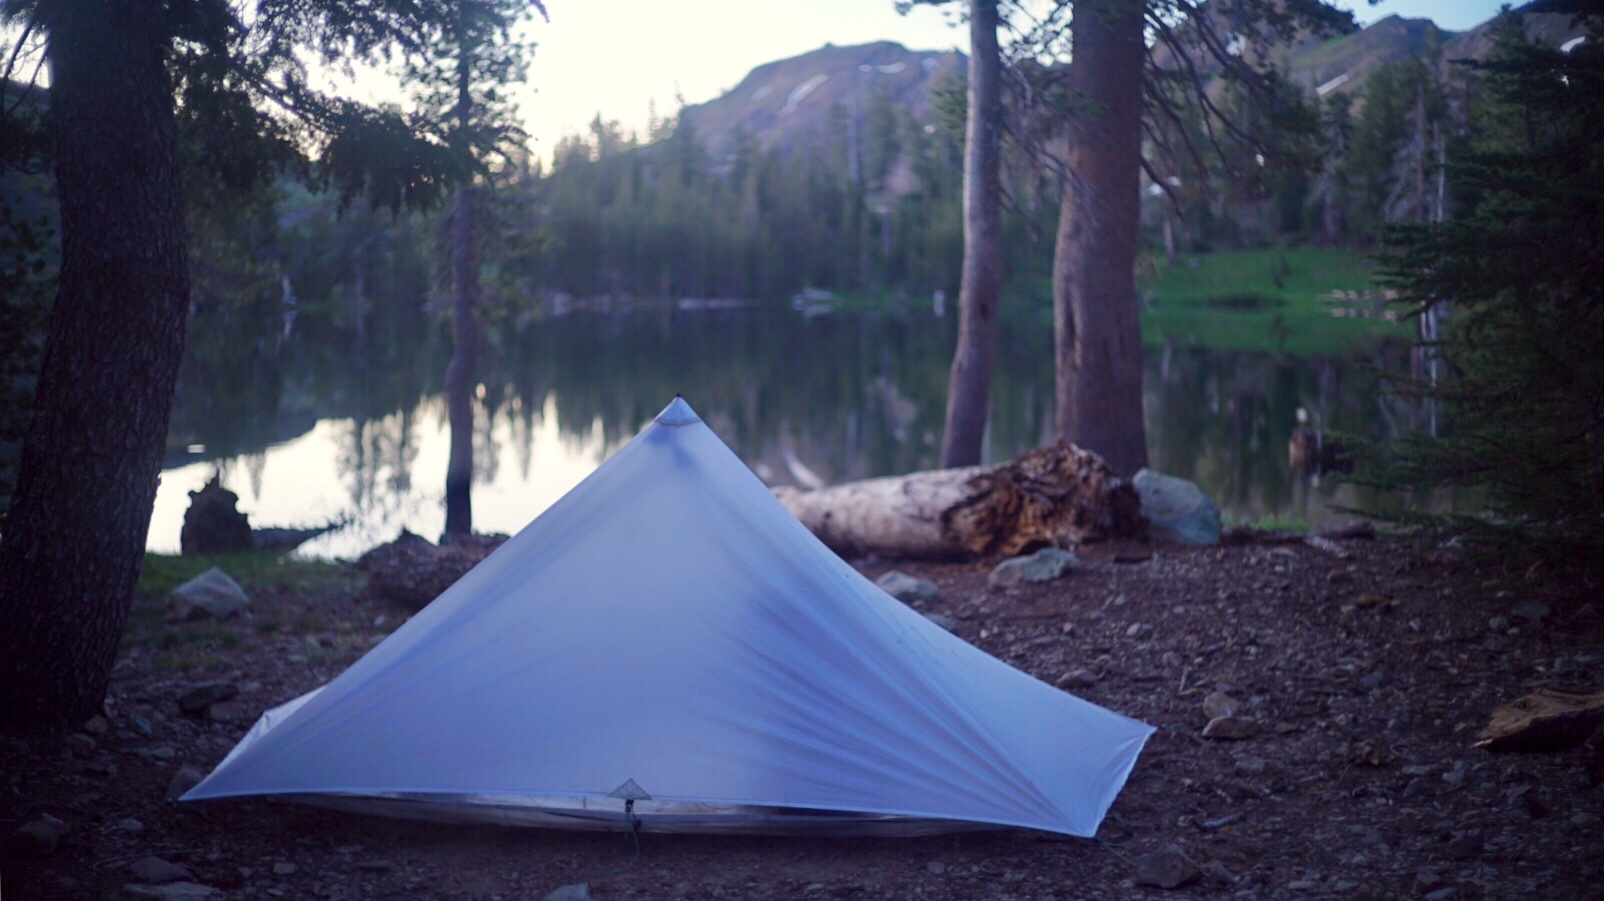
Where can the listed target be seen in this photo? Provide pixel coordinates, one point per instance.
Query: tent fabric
(668, 622)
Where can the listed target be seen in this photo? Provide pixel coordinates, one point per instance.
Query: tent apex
(678, 412)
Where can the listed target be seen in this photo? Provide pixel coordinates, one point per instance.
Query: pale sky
(617, 56)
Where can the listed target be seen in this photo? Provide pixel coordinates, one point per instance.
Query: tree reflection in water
(846, 395)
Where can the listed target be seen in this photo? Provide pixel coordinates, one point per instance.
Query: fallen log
(1057, 495)
(1545, 720)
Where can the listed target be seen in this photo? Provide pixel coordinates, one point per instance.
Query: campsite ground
(1368, 668)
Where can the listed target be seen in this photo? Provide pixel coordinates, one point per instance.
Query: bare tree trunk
(91, 459)
(1096, 334)
(980, 287)
(462, 371)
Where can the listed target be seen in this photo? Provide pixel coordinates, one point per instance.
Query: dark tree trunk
(980, 287)
(1096, 334)
(91, 458)
(460, 373)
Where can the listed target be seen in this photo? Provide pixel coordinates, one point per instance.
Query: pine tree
(1521, 276)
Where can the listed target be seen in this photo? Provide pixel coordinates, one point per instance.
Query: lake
(308, 427)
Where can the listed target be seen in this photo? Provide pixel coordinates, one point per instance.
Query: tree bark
(980, 285)
(1096, 335)
(462, 371)
(1056, 495)
(75, 536)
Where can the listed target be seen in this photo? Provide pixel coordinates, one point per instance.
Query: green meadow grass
(1301, 301)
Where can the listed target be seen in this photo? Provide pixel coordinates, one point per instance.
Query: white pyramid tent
(668, 636)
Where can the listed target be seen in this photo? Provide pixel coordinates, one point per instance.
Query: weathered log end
(1545, 720)
(1056, 495)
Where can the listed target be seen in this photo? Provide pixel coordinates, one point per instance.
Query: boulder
(213, 593)
(212, 524)
(1177, 510)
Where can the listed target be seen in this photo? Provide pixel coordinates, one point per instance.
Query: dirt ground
(1367, 667)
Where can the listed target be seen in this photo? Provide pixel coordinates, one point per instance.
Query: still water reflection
(360, 432)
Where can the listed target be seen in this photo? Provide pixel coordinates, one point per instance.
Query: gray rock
(185, 779)
(1139, 631)
(1045, 565)
(283, 868)
(935, 868)
(131, 826)
(1532, 611)
(1466, 845)
(1248, 765)
(1219, 704)
(942, 620)
(1168, 867)
(202, 696)
(1178, 510)
(36, 838)
(171, 890)
(1442, 894)
(579, 891)
(908, 589)
(154, 869)
(1230, 728)
(213, 593)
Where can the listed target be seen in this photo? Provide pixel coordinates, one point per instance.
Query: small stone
(1499, 624)
(935, 868)
(942, 620)
(1301, 885)
(227, 712)
(36, 838)
(1427, 879)
(1456, 776)
(1370, 682)
(185, 779)
(283, 869)
(96, 725)
(1466, 845)
(579, 891)
(1078, 678)
(1219, 704)
(1168, 867)
(1442, 894)
(1045, 565)
(131, 826)
(1230, 728)
(1139, 630)
(1583, 820)
(908, 589)
(1218, 875)
(1532, 611)
(154, 869)
(1250, 765)
(142, 725)
(200, 697)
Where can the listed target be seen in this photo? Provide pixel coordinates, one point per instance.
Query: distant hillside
(1343, 63)
(780, 102)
